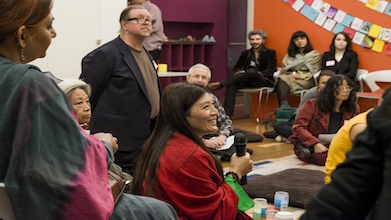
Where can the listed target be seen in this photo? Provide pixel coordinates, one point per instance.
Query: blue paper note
(388, 10)
(365, 27)
(347, 21)
(309, 12)
(338, 28)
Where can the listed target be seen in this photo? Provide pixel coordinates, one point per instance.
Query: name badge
(330, 63)
(252, 63)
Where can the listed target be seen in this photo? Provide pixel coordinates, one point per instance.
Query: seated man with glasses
(125, 86)
(320, 118)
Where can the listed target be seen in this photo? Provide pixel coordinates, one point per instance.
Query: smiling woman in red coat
(323, 115)
(175, 165)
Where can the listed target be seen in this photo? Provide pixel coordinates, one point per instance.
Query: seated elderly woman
(324, 115)
(78, 93)
(176, 167)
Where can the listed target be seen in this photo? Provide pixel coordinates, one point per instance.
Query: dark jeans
(283, 128)
(127, 160)
(250, 78)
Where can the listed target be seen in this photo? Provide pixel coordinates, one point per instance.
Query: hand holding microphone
(241, 163)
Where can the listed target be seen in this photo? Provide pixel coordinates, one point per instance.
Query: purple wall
(215, 16)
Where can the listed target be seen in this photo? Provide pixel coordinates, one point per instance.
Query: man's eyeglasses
(347, 88)
(143, 20)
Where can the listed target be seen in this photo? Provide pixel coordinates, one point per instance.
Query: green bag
(281, 115)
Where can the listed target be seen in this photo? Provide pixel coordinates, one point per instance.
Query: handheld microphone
(240, 145)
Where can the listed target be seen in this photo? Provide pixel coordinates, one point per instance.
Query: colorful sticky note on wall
(331, 12)
(365, 27)
(290, 2)
(356, 23)
(347, 20)
(378, 45)
(329, 24)
(358, 38)
(388, 49)
(375, 30)
(338, 28)
(309, 12)
(325, 7)
(317, 5)
(381, 6)
(308, 2)
(367, 42)
(388, 10)
(371, 4)
(320, 19)
(298, 5)
(385, 34)
(339, 16)
(350, 32)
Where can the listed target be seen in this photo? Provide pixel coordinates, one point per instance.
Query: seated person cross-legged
(299, 66)
(344, 139)
(254, 68)
(175, 166)
(323, 115)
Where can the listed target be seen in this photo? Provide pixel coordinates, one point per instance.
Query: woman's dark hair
(348, 45)
(175, 106)
(293, 50)
(15, 13)
(326, 98)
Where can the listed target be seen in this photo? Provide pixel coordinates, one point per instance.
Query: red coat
(310, 122)
(189, 181)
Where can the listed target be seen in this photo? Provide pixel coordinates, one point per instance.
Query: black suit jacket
(120, 102)
(347, 66)
(267, 62)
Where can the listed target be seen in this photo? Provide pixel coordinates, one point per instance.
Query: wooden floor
(268, 148)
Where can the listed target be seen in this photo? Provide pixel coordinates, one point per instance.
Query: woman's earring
(22, 54)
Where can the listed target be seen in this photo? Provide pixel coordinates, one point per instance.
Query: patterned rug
(301, 180)
(270, 166)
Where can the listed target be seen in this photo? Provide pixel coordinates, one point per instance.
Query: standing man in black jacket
(254, 68)
(125, 86)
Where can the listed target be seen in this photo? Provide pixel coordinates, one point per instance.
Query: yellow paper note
(375, 30)
(378, 45)
(371, 4)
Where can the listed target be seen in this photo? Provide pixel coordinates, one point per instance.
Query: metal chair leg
(264, 110)
(259, 104)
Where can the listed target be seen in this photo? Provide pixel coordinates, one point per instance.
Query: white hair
(201, 66)
(68, 85)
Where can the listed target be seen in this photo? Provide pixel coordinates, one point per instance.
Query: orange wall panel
(280, 21)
